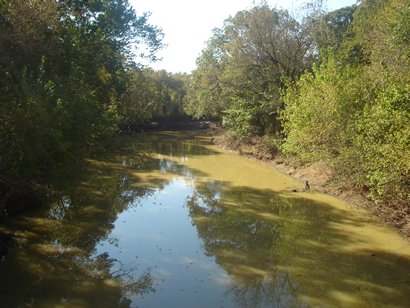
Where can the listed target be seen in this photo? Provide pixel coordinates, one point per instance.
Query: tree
(320, 110)
(62, 73)
(333, 28)
(382, 31)
(245, 63)
(354, 110)
(152, 95)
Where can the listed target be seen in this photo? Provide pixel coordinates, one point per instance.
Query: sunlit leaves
(63, 68)
(354, 110)
(247, 61)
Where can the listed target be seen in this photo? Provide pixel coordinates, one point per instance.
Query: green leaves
(241, 117)
(152, 95)
(319, 110)
(241, 71)
(356, 113)
(384, 141)
(63, 69)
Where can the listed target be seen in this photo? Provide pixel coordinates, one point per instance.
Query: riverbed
(170, 220)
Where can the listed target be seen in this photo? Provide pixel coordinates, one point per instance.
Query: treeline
(69, 80)
(321, 86)
(152, 95)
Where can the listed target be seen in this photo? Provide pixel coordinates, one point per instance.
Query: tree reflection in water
(243, 243)
(253, 243)
(268, 291)
(53, 258)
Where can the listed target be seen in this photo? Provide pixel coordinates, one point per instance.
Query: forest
(314, 86)
(70, 81)
(331, 87)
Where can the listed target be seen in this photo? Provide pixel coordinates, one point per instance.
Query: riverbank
(165, 219)
(319, 176)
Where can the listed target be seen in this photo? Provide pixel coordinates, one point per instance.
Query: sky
(188, 24)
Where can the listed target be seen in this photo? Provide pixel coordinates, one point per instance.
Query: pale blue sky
(188, 24)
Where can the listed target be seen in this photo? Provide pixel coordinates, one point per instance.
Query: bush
(241, 118)
(320, 110)
(383, 141)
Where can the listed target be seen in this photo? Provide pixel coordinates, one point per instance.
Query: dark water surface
(168, 220)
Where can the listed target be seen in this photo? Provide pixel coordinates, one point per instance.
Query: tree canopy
(318, 85)
(330, 86)
(242, 70)
(63, 72)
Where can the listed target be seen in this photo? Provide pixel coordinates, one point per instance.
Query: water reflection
(243, 244)
(167, 165)
(52, 259)
(166, 220)
(273, 291)
(59, 209)
(291, 252)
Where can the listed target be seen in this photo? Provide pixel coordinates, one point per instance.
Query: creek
(169, 220)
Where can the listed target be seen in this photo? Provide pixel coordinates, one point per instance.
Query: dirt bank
(319, 176)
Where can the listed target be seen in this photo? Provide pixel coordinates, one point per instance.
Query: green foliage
(170, 93)
(354, 110)
(152, 95)
(137, 104)
(240, 117)
(240, 73)
(383, 139)
(334, 28)
(320, 110)
(207, 95)
(63, 68)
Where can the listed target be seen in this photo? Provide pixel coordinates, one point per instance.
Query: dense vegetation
(152, 95)
(323, 86)
(315, 85)
(69, 79)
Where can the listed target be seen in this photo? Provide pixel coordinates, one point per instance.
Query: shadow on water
(279, 249)
(51, 255)
(173, 144)
(287, 251)
(52, 258)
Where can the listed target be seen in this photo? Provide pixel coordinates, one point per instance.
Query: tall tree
(334, 28)
(245, 63)
(354, 110)
(62, 73)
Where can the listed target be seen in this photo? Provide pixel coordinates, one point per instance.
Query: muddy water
(168, 220)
